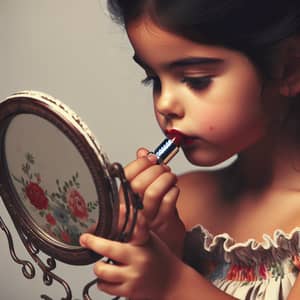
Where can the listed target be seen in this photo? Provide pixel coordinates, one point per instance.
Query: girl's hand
(144, 268)
(156, 185)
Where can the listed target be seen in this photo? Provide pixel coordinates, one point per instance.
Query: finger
(134, 169)
(167, 207)
(142, 152)
(122, 216)
(156, 192)
(109, 272)
(112, 249)
(137, 166)
(147, 177)
(113, 288)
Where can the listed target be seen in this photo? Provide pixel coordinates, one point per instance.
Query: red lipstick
(169, 146)
(176, 136)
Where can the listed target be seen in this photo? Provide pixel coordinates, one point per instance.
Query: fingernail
(152, 157)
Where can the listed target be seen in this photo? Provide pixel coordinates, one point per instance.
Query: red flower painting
(77, 204)
(62, 212)
(50, 219)
(36, 195)
(65, 237)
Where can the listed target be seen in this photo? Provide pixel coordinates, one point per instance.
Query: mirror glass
(51, 179)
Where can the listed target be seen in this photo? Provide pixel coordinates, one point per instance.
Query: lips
(179, 138)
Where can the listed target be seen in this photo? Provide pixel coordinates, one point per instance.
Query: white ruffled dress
(251, 270)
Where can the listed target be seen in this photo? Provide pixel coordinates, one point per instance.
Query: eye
(152, 81)
(197, 83)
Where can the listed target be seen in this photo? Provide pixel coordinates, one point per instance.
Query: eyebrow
(184, 62)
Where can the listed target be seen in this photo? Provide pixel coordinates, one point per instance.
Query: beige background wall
(72, 50)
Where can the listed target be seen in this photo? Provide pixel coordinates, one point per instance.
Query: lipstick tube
(166, 150)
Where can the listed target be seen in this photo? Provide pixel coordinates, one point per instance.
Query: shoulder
(199, 195)
(205, 183)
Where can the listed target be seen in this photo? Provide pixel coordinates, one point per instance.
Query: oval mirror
(55, 180)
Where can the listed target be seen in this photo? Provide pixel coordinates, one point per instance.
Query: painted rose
(36, 195)
(65, 237)
(77, 204)
(50, 219)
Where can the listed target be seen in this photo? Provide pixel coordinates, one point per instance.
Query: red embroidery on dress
(296, 261)
(246, 273)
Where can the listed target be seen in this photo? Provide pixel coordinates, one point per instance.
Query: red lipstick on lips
(180, 138)
(169, 146)
(176, 136)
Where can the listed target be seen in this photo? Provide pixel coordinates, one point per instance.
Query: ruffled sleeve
(249, 270)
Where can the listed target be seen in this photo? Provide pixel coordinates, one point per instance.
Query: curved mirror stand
(57, 183)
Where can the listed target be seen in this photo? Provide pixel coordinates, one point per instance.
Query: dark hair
(253, 27)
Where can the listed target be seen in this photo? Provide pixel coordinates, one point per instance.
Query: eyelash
(149, 80)
(195, 83)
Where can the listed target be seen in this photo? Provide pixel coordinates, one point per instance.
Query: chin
(211, 162)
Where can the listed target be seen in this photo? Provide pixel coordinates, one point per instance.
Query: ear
(290, 81)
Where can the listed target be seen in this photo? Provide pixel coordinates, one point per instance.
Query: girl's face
(211, 94)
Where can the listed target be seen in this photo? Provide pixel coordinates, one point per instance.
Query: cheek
(231, 120)
(239, 108)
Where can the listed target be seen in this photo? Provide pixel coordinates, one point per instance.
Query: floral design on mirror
(63, 213)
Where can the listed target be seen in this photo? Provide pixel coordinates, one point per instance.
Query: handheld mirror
(56, 182)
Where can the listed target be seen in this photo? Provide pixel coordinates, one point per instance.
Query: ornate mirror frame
(34, 235)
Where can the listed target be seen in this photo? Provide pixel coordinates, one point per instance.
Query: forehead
(155, 45)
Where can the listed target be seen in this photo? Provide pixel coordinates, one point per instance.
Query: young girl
(226, 75)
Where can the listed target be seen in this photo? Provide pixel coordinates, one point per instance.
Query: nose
(168, 104)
